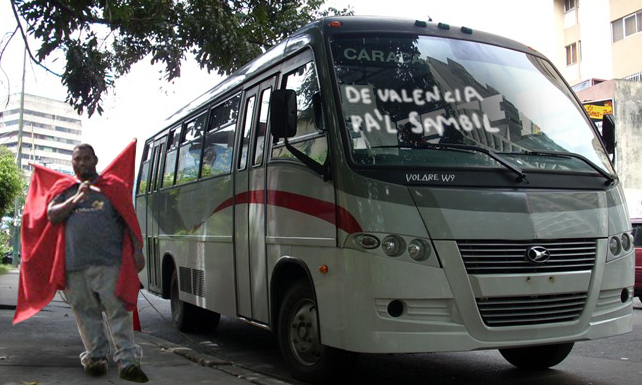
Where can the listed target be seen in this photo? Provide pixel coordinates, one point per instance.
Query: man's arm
(139, 257)
(59, 211)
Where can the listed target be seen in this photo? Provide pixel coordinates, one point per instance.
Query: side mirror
(608, 133)
(283, 114)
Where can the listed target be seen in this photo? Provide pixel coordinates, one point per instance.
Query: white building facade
(51, 129)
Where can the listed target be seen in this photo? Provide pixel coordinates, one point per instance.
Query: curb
(213, 362)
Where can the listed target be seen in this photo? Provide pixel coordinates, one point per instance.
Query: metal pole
(16, 214)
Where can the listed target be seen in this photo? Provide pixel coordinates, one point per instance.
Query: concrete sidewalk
(44, 350)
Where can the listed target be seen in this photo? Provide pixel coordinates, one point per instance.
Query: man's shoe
(132, 373)
(96, 368)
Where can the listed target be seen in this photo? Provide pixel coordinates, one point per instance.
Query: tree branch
(24, 38)
(96, 20)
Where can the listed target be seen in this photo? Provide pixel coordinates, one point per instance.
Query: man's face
(84, 163)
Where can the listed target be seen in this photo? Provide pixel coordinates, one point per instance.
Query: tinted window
(219, 141)
(637, 235)
(170, 159)
(259, 140)
(303, 80)
(247, 125)
(189, 158)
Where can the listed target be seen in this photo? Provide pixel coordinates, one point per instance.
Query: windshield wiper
(609, 177)
(521, 176)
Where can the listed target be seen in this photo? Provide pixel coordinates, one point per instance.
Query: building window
(572, 53)
(569, 5)
(627, 26)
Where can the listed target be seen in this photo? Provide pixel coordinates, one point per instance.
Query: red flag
(124, 166)
(42, 269)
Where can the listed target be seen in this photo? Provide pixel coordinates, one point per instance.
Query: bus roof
(328, 26)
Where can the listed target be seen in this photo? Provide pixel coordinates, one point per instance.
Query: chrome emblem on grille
(538, 254)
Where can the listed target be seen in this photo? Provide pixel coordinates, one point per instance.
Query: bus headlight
(418, 250)
(615, 246)
(625, 241)
(392, 245)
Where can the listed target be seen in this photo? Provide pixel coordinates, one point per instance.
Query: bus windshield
(404, 98)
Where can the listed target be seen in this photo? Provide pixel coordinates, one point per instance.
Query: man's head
(84, 161)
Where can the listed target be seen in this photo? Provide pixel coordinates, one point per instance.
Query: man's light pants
(90, 292)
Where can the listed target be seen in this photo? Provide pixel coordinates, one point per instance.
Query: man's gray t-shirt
(93, 232)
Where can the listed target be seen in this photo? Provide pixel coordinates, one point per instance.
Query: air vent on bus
(509, 257)
(531, 310)
(192, 281)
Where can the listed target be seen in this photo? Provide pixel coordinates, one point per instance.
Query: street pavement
(45, 349)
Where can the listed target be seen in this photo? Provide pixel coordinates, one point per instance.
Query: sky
(141, 100)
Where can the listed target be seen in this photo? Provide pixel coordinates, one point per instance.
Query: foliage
(11, 181)
(102, 39)
(5, 244)
(5, 268)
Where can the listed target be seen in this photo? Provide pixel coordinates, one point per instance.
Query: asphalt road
(612, 361)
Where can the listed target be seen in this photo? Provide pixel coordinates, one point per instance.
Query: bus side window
(189, 158)
(170, 158)
(247, 129)
(308, 139)
(219, 141)
(158, 165)
(143, 175)
(259, 140)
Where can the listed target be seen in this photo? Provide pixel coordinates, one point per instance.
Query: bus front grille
(531, 310)
(510, 257)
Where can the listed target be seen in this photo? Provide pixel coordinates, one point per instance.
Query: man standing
(95, 237)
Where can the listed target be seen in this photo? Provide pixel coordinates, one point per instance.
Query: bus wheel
(537, 357)
(298, 334)
(206, 320)
(183, 314)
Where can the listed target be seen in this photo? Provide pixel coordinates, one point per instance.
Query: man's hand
(58, 212)
(81, 193)
(139, 259)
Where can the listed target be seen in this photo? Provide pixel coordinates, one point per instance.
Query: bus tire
(207, 320)
(537, 357)
(183, 313)
(298, 334)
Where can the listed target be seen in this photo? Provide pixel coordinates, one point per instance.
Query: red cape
(42, 269)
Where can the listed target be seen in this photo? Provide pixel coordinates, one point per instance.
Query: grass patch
(5, 268)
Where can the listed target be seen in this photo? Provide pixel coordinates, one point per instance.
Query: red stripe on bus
(326, 211)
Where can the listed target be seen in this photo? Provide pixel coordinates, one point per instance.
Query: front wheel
(537, 357)
(298, 334)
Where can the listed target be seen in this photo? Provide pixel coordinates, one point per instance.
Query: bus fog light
(418, 250)
(395, 308)
(625, 240)
(625, 295)
(392, 245)
(614, 246)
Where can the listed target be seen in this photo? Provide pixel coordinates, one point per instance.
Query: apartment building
(51, 129)
(597, 40)
(598, 50)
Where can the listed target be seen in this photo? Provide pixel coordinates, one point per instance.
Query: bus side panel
(300, 212)
(141, 214)
(199, 236)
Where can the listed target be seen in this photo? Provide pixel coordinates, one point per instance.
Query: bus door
(153, 268)
(249, 228)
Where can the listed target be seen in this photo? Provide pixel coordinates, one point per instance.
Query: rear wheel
(188, 317)
(537, 357)
(183, 313)
(206, 320)
(298, 334)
